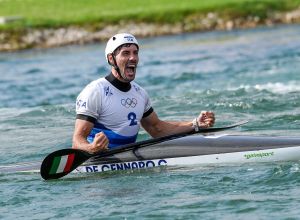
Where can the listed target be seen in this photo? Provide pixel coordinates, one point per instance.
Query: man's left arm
(158, 128)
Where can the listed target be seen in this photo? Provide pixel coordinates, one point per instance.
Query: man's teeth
(131, 67)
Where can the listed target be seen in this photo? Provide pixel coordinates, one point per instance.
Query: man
(110, 110)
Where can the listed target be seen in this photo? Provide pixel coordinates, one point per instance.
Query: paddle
(60, 163)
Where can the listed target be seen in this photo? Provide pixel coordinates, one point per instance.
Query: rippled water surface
(249, 74)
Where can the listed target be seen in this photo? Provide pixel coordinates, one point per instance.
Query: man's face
(127, 59)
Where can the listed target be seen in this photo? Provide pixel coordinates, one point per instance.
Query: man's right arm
(81, 132)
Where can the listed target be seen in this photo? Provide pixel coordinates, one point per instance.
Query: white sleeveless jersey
(117, 113)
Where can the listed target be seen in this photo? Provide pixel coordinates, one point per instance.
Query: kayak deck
(199, 146)
(198, 149)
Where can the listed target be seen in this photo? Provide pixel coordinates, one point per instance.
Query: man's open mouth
(131, 68)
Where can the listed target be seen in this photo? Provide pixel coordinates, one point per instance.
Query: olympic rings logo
(129, 102)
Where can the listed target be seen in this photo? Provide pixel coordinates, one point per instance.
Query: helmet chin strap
(123, 76)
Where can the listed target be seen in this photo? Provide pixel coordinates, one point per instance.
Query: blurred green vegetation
(60, 13)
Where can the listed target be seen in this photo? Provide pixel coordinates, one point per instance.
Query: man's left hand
(206, 119)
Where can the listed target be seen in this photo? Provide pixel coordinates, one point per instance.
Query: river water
(247, 74)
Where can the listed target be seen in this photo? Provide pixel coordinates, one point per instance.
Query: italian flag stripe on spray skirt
(62, 164)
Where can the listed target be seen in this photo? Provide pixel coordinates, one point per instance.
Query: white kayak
(190, 150)
(200, 150)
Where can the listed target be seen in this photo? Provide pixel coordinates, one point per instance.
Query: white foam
(277, 87)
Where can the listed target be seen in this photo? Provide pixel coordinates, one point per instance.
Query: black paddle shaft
(153, 141)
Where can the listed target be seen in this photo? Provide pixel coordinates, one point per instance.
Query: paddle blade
(62, 162)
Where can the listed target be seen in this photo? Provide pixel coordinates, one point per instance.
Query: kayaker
(110, 110)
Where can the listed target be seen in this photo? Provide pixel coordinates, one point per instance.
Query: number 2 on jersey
(132, 118)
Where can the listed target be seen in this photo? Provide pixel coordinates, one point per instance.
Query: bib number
(132, 118)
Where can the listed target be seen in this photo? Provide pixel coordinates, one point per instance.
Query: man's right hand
(99, 144)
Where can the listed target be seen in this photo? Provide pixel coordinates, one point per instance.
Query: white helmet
(117, 40)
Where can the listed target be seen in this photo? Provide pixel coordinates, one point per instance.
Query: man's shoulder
(94, 87)
(137, 87)
(97, 83)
